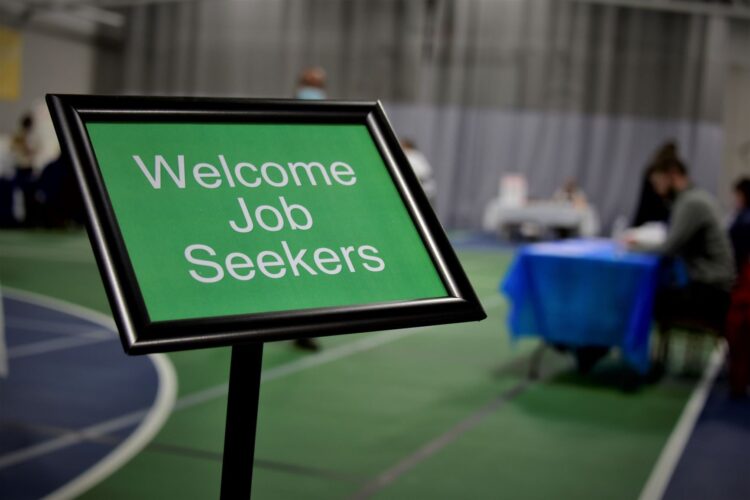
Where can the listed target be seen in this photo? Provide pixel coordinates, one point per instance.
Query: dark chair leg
(662, 353)
(692, 363)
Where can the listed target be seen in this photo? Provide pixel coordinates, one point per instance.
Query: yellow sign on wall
(10, 65)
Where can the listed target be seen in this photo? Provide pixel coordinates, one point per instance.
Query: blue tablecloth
(584, 293)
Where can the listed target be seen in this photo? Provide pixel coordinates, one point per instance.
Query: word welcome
(209, 176)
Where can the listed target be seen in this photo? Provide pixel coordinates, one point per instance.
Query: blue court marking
(30, 336)
(714, 463)
(32, 324)
(57, 388)
(48, 472)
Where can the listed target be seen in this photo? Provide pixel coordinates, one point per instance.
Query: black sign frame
(139, 335)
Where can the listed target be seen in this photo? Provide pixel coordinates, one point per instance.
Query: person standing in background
(35, 148)
(24, 179)
(7, 190)
(311, 86)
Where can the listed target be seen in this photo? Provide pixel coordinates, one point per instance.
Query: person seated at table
(738, 320)
(571, 193)
(696, 236)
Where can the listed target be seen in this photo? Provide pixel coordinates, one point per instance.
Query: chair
(692, 322)
(698, 329)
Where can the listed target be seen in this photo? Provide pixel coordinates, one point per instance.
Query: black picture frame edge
(141, 336)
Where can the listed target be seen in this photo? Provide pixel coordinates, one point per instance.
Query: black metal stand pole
(242, 416)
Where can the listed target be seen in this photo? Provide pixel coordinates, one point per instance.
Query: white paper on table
(648, 236)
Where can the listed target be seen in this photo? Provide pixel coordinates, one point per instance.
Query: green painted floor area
(335, 429)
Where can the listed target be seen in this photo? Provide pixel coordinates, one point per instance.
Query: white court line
(287, 369)
(319, 359)
(220, 390)
(126, 450)
(62, 305)
(150, 426)
(670, 455)
(70, 438)
(653, 490)
(52, 345)
(151, 420)
(204, 396)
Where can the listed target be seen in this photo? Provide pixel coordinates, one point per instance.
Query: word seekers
(276, 265)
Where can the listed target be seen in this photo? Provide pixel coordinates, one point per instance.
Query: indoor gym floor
(439, 412)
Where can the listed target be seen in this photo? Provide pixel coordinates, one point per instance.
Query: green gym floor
(438, 412)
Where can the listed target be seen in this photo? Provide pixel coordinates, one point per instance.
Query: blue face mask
(311, 93)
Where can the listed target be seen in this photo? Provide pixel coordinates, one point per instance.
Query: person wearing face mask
(312, 84)
(310, 87)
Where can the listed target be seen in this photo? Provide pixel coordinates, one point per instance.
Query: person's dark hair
(313, 77)
(667, 160)
(742, 186)
(408, 143)
(666, 151)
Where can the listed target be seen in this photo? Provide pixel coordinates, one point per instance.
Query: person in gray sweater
(696, 235)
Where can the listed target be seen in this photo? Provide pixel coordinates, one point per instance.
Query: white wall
(50, 63)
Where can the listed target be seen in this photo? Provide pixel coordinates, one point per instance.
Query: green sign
(218, 221)
(239, 218)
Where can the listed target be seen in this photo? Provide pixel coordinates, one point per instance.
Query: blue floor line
(37, 478)
(716, 461)
(68, 389)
